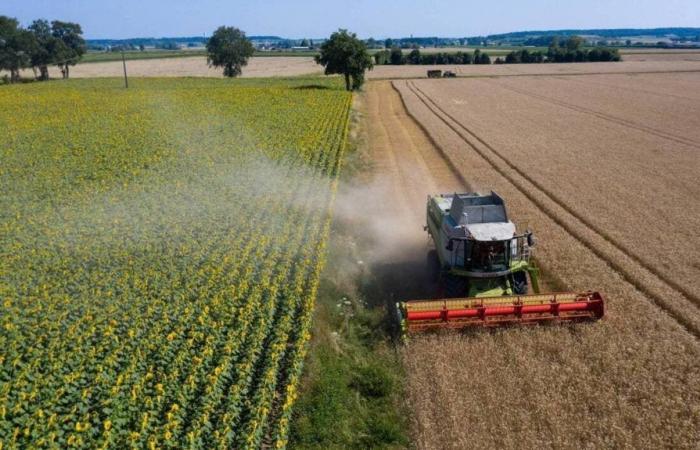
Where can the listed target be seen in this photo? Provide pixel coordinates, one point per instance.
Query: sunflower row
(159, 257)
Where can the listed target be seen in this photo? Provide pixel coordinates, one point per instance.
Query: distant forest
(617, 33)
(167, 42)
(531, 38)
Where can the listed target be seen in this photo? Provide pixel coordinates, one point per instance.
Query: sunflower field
(160, 251)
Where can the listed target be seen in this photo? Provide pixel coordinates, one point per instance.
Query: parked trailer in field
(435, 74)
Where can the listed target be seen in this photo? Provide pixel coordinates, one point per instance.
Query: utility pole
(126, 79)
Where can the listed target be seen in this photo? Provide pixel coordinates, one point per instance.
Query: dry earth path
(387, 205)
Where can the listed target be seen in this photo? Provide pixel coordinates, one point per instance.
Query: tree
(388, 43)
(396, 57)
(513, 58)
(414, 56)
(481, 58)
(71, 46)
(382, 57)
(343, 53)
(229, 48)
(16, 45)
(574, 43)
(46, 49)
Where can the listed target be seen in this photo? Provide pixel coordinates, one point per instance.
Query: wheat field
(605, 175)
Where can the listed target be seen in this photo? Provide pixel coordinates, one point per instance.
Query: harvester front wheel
(433, 265)
(520, 283)
(455, 286)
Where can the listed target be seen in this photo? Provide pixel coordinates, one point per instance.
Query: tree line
(561, 51)
(40, 45)
(343, 54)
(396, 56)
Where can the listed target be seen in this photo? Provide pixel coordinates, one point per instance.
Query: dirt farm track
(603, 168)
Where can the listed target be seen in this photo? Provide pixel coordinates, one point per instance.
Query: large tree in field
(16, 45)
(229, 48)
(69, 45)
(345, 54)
(46, 49)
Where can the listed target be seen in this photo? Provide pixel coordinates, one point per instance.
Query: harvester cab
(477, 250)
(483, 266)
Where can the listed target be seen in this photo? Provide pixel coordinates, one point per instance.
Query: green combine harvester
(484, 268)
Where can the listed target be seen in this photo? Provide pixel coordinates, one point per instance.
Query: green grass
(92, 57)
(351, 395)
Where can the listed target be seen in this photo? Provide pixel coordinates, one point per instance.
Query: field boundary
(626, 274)
(548, 74)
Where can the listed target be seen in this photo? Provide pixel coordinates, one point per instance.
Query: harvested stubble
(632, 380)
(193, 66)
(684, 85)
(633, 177)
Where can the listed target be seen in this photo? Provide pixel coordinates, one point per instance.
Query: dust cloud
(387, 231)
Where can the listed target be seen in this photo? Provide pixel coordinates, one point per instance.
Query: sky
(119, 19)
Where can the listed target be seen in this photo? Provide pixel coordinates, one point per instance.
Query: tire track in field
(608, 117)
(655, 293)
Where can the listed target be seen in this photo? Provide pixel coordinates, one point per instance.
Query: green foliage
(396, 56)
(229, 48)
(382, 57)
(569, 50)
(168, 46)
(414, 57)
(68, 46)
(351, 395)
(343, 53)
(16, 45)
(161, 258)
(483, 58)
(372, 381)
(573, 43)
(524, 56)
(39, 46)
(46, 49)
